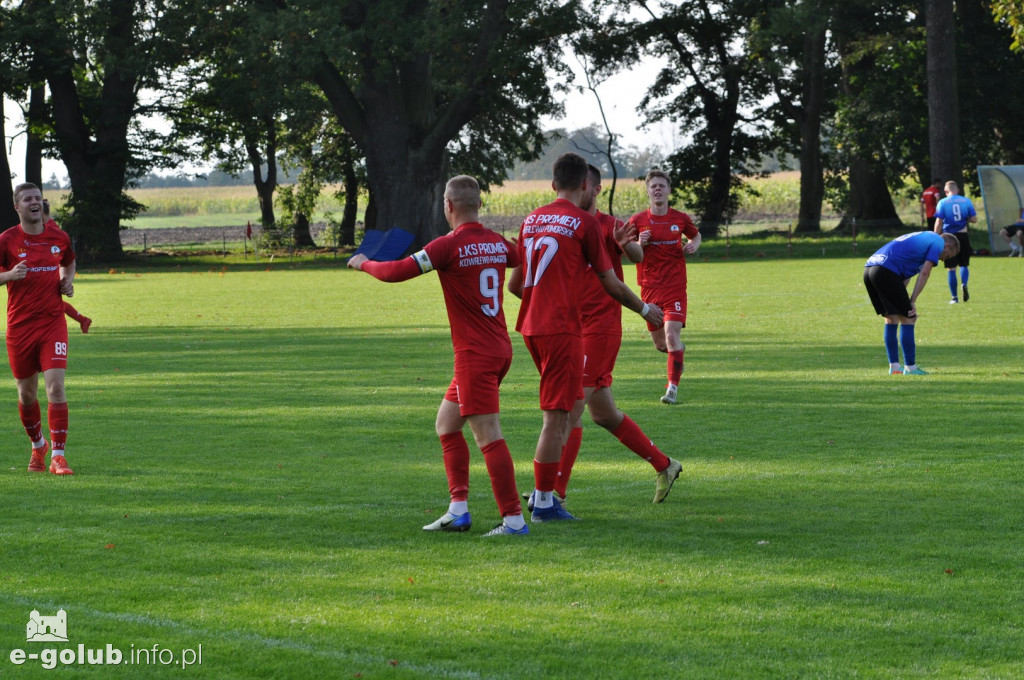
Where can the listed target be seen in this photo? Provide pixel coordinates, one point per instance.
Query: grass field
(254, 457)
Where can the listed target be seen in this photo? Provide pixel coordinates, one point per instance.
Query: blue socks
(952, 283)
(892, 349)
(909, 346)
(963, 276)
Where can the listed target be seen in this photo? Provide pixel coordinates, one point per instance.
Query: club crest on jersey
(22, 253)
(55, 251)
(675, 228)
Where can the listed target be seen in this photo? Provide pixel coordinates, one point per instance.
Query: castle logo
(47, 628)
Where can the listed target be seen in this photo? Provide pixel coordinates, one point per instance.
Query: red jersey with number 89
(37, 296)
(556, 242)
(470, 264)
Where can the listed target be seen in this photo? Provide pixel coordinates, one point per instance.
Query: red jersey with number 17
(37, 296)
(556, 242)
(664, 265)
(471, 263)
(602, 314)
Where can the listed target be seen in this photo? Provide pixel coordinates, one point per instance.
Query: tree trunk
(33, 142)
(347, 235)
(265, 186)
(871, 205)
(943, 108)
(97, 169)
(407, 182)
(812, 182)
(7, 212)
(370, 218)
(720, 186)
(300, 232)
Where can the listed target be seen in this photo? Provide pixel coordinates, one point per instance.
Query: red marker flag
(248, 230)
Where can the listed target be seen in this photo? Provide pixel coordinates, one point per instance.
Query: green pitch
(254, 458)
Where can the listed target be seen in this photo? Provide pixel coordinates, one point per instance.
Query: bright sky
(619, 96)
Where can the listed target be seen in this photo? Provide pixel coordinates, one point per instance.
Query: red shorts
(599, 354)
(475, 385)
(672, 303)
(37, 347)
(559, 358)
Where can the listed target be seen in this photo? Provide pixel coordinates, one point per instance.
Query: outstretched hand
(624, 232)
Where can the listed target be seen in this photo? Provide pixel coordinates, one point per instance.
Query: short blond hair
(463, 191)
(951, 186)
(950, 241)
(657, 172)
(22, 188)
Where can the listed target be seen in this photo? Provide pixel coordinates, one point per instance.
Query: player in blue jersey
(952, 215)
(887, 274)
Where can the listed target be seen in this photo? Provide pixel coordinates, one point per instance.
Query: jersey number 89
(60, 349)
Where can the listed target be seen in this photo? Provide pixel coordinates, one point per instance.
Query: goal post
(1002, 192)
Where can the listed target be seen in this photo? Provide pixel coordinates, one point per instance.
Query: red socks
(569, 453)
(544, 475)
(32, 420)
(456, 465)
(634, 439)
(503, 477)
(57, 417)
(675, 366)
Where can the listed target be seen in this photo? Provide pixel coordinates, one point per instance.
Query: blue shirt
(954, 211)
(908, 253)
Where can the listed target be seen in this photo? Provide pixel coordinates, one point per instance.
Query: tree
(794, 45)
(108, 52)
(879, 128)
(7, 212)
(943, 108)
(711, 87)
(238, 95)
(1011, 14)
(427, 89)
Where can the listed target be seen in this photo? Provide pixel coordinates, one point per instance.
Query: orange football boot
(59, 466)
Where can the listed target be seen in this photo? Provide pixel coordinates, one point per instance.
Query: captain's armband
(423, 260)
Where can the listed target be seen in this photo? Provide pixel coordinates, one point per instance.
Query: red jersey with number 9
(36, 297)
(470, 264)
(556, 242)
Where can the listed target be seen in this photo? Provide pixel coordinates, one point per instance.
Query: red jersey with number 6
(664, 265)
(37, 296)
(556, 242)
(470, 264)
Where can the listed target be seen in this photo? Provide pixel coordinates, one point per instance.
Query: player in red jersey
(69, 310)
(471, 263)
(662, 275)
(556, 243)
(602, 337)
(38, 267)
(930, 198)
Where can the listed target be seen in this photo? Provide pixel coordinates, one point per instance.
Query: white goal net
(1002, 191)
